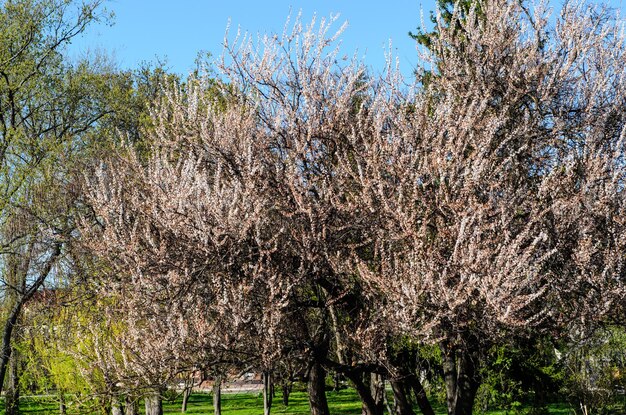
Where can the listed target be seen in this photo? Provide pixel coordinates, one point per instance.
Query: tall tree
(46, 106)
(259, 162)
(447, 13)
(462, 212)
(491, 182)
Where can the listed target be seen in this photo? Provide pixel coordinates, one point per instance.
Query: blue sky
(176, 30)
(144, 30)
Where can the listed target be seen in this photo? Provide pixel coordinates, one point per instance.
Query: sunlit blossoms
(295, 207)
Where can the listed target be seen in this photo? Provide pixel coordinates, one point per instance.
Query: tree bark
(11, 321)
(369, 402)
(388, 407)
(377, 389)
(186, 393)
(402, 405)
(154, 404)
(7, 334)
(467, 384)
(12, 395)
(131, 406)
(286, 391)
(217, 395)
(62, 406)
(116, 406)
(267, 393)
(336, 382)
(449, 377)
(317, 390)
(420, 395)
(461, 379)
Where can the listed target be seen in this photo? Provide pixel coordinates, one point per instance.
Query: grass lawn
(344, 402)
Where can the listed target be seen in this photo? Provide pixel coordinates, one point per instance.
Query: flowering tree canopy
(484, 201)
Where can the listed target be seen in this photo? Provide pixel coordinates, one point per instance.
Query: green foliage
(63, 344)
(524, 375)
(47, 107)
(130, 97)
(46, 103)
(450, 12)
(595, 371)
(56, 116)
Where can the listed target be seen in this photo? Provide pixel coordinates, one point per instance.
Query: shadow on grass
(343, 402)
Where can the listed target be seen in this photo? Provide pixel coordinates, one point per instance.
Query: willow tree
(46, 107)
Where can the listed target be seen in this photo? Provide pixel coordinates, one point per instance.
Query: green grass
(344, 402)
(34, 406)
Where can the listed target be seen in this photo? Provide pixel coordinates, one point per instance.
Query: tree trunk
(402, 405)
(407, 392)
(420, 395)
(461, 379)
(267, 393)
(12, 395)
(16, 309)
(131, 406)
(377, 389)
(449, 378)
(62, 406)
(7, 334)
(116, 406)
(186, 393)
(390, 410)
(217, 395)
(154, 404)
(317, 390)
(369, 404)
(286, 391)
(336, 382)
(467, 384)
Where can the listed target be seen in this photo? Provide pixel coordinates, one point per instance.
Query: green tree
(47, 107)
(71, 340)
(449, 17)
(449, 13)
